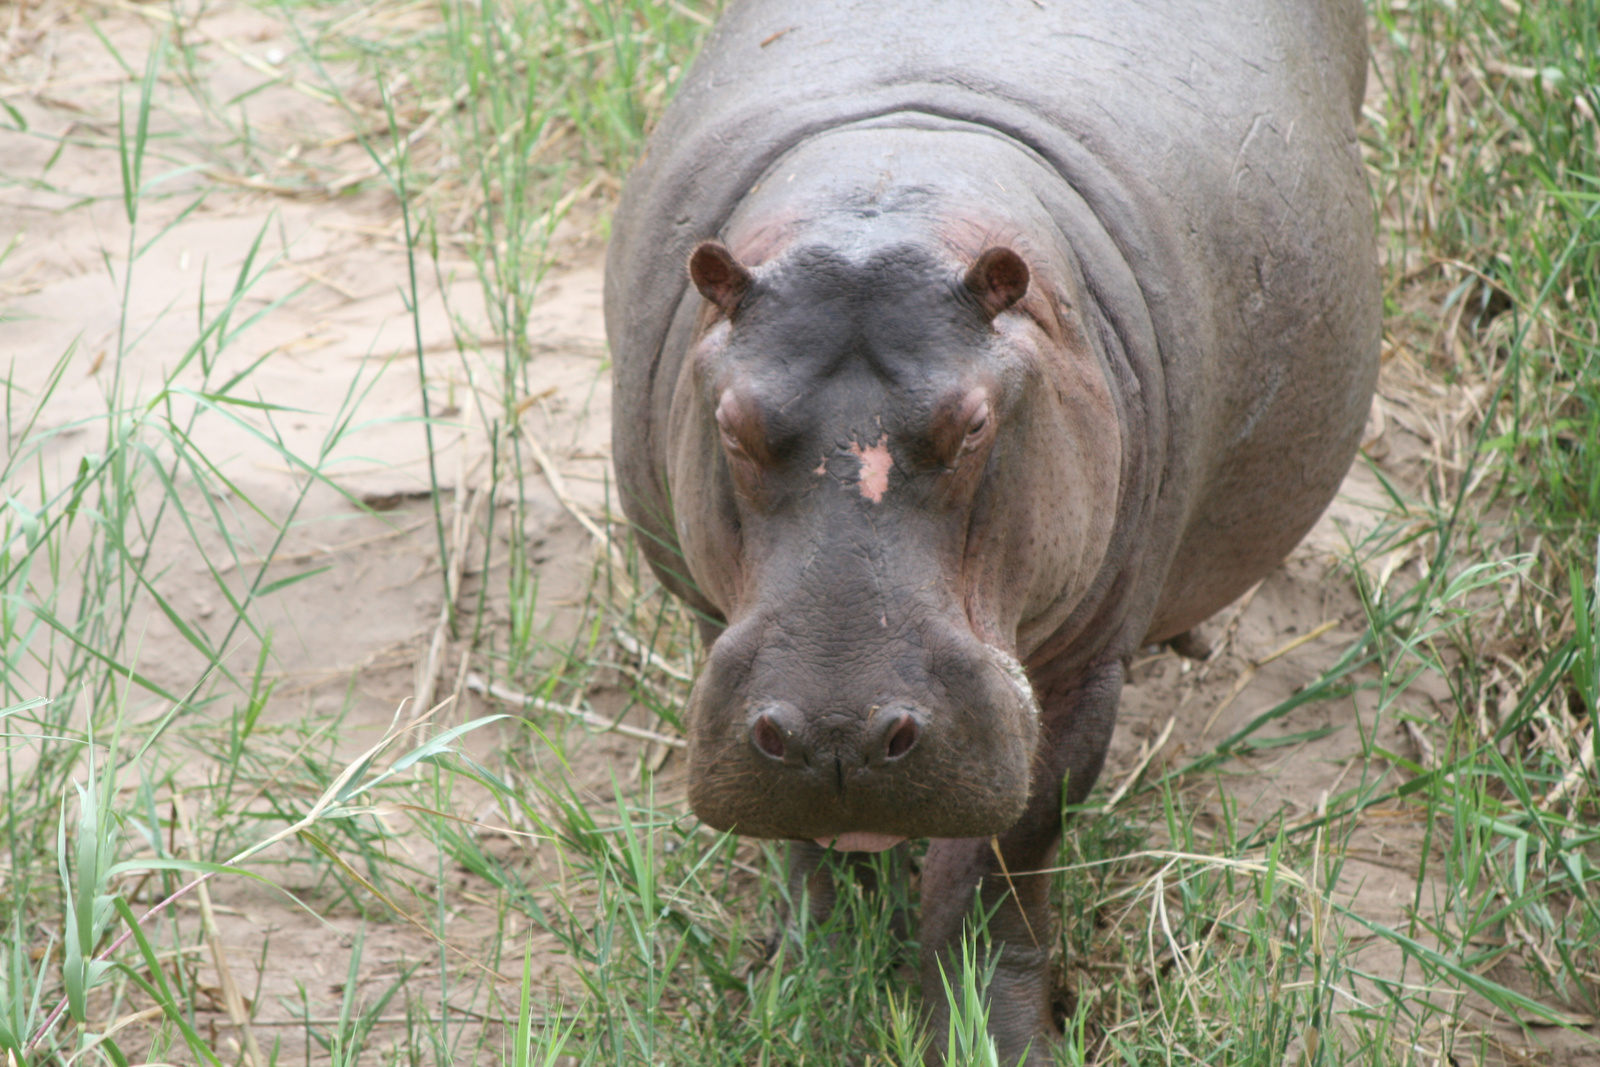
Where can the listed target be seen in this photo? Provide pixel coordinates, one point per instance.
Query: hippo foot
(1018, 1001)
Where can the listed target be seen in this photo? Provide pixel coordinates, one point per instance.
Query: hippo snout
(931, 745)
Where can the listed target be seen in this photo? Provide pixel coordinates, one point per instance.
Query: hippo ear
(998, 278)
(720, 278)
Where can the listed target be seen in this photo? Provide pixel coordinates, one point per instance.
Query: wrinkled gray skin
(1031, 333)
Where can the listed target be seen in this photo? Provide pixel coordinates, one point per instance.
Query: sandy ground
(330, 290)
(334, 319)
(330, 285)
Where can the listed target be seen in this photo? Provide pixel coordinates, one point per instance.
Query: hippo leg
(1191, 644)
(812, 880)
(1078, 719)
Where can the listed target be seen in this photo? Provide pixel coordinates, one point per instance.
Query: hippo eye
(976, 425)
(961, 426)
(739, 422)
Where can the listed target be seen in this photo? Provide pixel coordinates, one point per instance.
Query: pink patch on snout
(875, 465)
(860, 842)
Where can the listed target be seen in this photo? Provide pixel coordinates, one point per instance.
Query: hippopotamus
(960, 351)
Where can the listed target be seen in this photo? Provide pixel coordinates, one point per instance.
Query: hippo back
(1227, 240)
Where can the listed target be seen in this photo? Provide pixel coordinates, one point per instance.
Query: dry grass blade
(1147, 752)
(1249, 673)
(1011, 887)
(339, 791)
(231, 999)
(1581, 772)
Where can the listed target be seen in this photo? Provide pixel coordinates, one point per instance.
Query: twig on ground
(466, 516)
(478, 684)
(325, 550)
(558, 486)
(1426, 758)
(322, 279)
(649, 657)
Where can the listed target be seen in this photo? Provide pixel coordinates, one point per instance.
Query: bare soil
(334, 320)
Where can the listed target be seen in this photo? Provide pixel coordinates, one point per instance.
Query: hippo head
(893, 474)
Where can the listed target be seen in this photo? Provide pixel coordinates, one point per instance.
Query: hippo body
(1014, 336)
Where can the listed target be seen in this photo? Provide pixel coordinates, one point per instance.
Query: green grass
(1193, 927)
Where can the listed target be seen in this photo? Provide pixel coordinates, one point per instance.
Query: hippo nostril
(768, 736)
(902, 737)
(895, 731)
